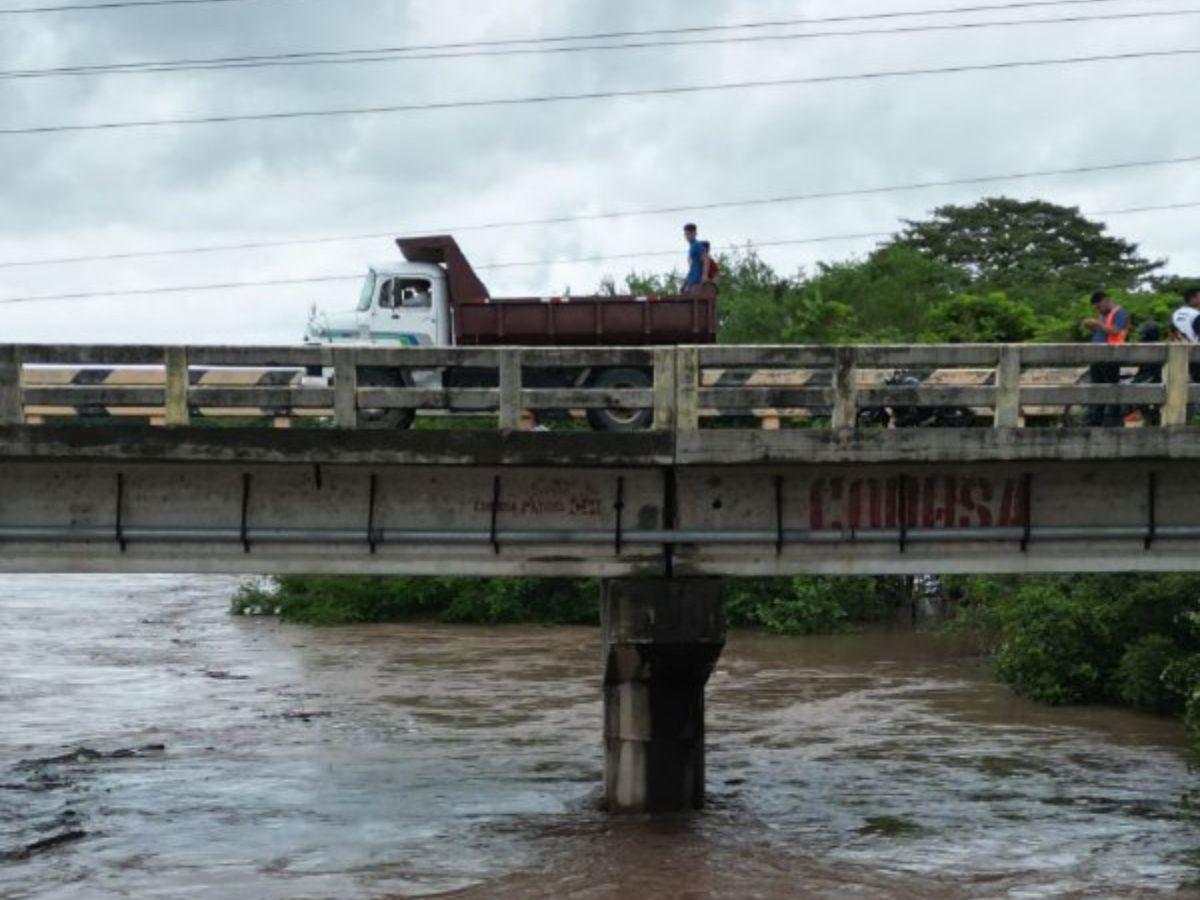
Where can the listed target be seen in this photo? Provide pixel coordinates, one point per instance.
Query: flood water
(397, 761)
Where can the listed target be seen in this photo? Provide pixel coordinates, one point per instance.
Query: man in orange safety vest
(1109, 326)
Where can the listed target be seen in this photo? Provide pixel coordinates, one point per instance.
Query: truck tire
(379, 419)
(618, 418)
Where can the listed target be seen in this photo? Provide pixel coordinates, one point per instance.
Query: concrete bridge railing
(170, 385)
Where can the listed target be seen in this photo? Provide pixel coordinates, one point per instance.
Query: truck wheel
(378, 419)
(619, 418)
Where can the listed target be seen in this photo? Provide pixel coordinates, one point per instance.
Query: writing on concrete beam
(934, 501)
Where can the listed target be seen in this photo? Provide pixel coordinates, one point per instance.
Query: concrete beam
(928, 445)
(715, 447)
(70, 443)
(662, 638)
(959, 500)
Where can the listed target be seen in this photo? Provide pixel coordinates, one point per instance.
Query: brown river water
(413, 760)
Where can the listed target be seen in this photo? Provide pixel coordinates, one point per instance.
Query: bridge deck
(716, 447)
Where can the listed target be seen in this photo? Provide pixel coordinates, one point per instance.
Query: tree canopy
(1005, 244)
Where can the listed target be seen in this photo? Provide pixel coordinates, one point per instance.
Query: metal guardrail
(172, 385)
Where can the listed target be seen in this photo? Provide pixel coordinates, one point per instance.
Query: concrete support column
(662, 638)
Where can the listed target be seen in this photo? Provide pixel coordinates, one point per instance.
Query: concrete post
(664, 389)
(345, 388)
(845, 386)
(1175, 409)
(662, 638)
(510, 389)
(12, 410)
(1008, 387)
(687, 388)
(175, 388)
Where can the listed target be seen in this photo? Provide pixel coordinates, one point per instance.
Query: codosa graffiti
(934, 501)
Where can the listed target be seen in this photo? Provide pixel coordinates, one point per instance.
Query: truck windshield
(368, 293)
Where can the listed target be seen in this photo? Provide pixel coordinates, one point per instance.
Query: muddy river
(152, 746)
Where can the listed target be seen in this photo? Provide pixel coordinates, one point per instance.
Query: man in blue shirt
(697, 275)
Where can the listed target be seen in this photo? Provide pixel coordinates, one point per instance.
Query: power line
(405, 54)
(609, 257)
(272, 282)
(110, 4)
(129, 4)
(597, 95)
(179, 289)
(319, 279)
(1130, 210)
(612, 214)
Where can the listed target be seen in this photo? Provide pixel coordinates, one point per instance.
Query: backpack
(713, 271)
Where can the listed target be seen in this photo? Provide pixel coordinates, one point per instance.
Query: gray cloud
(97, 192)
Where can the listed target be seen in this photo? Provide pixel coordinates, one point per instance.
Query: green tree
(1174, 285)
(1017, 246)
(758, 305)
(974, 319)
(889, 294)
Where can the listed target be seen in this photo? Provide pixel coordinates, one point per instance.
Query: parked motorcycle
(897, 416)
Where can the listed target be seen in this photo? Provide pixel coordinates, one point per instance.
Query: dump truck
(434, 298)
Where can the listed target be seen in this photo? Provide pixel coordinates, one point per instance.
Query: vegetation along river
(152, 745)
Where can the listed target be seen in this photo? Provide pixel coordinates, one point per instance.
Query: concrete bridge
(659, 513)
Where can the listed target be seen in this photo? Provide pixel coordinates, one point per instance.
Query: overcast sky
(99, 192)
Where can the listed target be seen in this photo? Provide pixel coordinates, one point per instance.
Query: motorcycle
(897, 416)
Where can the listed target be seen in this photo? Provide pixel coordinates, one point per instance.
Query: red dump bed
(482, 319)
(588, 320)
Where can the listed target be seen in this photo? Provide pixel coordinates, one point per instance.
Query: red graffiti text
(935, 501)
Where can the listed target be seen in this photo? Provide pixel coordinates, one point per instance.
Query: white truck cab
(434, 298)
(404, 304)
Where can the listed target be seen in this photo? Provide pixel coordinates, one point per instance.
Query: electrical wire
(129, 4)
(405, 54)
(319, 279)
(178, 289)
(107, 5)
(597, 95)
(612, 214)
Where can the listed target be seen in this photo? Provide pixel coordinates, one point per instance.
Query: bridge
(684, 497)
(658, 513)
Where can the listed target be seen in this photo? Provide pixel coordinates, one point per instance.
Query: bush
(1191, 715)
(1141, 680)
(1129, 639)
(349, 600)
(1183, 678)
(1070, 639)
(808, 605)
(498, 601)
(341, 600)
(1056, 648)
(780, 605)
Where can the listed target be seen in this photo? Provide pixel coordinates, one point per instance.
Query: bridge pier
(662, 638)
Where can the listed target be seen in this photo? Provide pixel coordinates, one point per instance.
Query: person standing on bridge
(1109, 326)
(1183, 320)
(701, 267)
(1185, 327)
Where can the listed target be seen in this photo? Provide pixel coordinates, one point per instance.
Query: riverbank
(789, 606)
